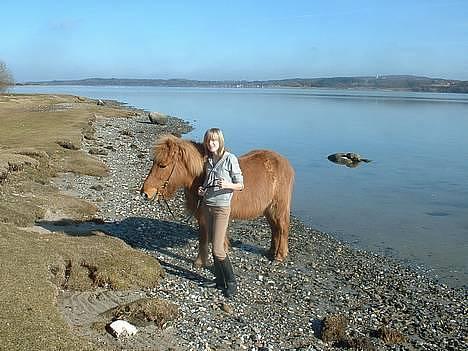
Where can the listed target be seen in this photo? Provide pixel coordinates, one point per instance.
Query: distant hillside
(405, 83)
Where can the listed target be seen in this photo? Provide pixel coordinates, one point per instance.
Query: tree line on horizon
(6, 78)
(392, 82)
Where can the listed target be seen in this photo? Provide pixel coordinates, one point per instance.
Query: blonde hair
(214, 134)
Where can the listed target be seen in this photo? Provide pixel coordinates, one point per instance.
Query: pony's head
(176, 164)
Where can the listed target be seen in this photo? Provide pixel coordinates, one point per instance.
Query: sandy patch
(83, 309)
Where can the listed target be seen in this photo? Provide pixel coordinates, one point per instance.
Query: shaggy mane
(169, 147)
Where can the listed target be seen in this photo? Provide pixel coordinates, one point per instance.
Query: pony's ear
(169, 139)
(172, 145)
(166, 149)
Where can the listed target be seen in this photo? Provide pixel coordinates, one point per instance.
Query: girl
(223, 177)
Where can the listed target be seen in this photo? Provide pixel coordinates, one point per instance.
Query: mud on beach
(325, 296)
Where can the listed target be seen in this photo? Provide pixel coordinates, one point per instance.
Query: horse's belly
(248, 206)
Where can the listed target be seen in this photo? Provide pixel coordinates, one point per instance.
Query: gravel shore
(373, 301)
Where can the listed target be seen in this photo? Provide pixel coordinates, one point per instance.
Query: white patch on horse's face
(213, 145)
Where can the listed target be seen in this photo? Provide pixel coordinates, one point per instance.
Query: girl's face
(213, 145)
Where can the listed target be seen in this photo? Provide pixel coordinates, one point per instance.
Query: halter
(166, 182)
(159, 192)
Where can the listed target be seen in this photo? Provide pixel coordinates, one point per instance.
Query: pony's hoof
(199, 263)
(270, 255)
(275, 257)
(276, 262)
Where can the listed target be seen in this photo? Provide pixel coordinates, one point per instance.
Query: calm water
(411, 202)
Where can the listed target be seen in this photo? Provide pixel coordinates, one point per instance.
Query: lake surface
(410, 202)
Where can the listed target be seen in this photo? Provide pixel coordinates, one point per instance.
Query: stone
(68, 144)
(349, 159)
(158, 118)
(226, 308)
(121, 328)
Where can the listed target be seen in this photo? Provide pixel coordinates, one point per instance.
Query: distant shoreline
(393, 83)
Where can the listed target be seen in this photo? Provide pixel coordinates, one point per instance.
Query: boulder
(158, 118)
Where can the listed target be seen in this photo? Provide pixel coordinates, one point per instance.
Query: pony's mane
(168, 147)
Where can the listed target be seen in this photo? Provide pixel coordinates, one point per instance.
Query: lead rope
(168, 208)
(190, 216)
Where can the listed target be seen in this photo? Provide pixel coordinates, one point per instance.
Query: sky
(233, 40)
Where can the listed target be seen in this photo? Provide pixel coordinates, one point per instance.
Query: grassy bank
(40, 136)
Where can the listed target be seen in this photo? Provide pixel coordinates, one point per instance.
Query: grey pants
(217, 220)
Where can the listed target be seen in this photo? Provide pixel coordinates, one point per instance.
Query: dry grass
(391, 336)
(334, 327)
(34, 266)
(143, 312)
(97, 260)
(29, 319)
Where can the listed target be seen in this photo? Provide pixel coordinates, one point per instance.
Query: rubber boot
(218, 282)
(230, 284)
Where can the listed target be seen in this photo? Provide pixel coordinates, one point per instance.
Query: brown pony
(268, 184)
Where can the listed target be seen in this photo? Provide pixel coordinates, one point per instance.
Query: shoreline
(383, 304)
(397, 227)
(392, 82)
(405, 241)
(277, 307)
(352, 92)
(418, 266)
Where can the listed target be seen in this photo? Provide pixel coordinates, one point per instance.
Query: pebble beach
(325, 296)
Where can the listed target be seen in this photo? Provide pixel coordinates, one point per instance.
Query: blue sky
(45, 40)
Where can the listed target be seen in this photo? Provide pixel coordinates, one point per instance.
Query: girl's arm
(224, 184)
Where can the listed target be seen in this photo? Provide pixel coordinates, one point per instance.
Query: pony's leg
(278, 218)
(274, 233)
(282, 219)
(283, 237)
(202, 257)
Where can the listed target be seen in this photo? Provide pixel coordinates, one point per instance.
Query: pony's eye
(162, 166)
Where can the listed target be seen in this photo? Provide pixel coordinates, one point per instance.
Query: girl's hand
(201, 191)
(223, 184)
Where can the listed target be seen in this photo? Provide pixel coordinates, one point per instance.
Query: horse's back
(268, 176)
(267, 164)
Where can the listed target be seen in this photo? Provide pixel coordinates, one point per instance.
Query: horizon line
(375, 76)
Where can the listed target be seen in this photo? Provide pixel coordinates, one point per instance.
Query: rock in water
(349, 159)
